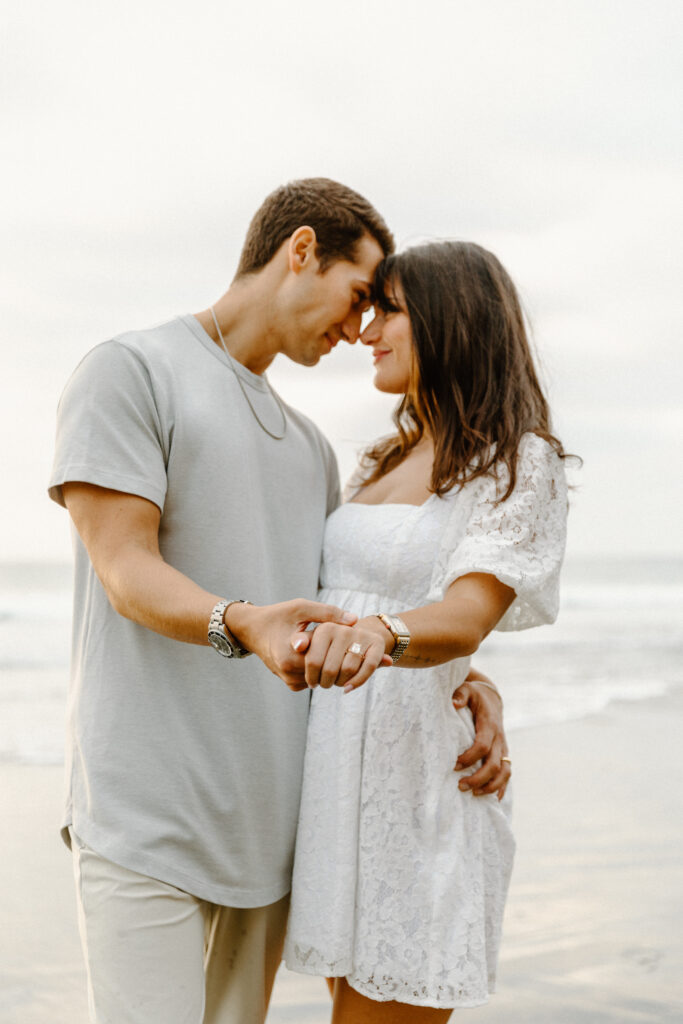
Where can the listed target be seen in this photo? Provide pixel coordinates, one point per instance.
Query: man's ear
(301, 249)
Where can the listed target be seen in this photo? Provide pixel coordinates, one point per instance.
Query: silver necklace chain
(276, 437)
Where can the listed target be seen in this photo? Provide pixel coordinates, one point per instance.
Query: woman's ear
(301, 249)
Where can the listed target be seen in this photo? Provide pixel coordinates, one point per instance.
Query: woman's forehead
(388, 291)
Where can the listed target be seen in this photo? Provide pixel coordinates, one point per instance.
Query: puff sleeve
(520, 541)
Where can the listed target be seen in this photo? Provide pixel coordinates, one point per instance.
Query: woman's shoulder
(534, 454)
(540, 463)
(354, 483)
(363, 470)
(537, 464)
(534, 446)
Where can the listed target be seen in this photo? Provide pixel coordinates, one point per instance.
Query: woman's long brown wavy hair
(474, 386)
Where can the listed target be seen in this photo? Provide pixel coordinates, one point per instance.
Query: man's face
(328, 308)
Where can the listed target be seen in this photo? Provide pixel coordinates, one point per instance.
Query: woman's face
(391, 339)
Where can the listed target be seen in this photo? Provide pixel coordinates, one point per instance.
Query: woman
(457, 525)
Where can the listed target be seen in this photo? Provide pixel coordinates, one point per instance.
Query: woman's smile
(378, 353)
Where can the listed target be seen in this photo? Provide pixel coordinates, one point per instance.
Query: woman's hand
(339, 655)
(267, 631)
(490, 745)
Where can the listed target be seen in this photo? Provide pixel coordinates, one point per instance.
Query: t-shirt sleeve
(520, 541)
(109, 431)
(333, 486)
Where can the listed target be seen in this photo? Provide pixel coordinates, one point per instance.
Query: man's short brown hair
(338, 215)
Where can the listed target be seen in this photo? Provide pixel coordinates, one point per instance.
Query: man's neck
(245, 317)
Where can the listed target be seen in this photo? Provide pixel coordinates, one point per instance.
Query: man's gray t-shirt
(182, 765)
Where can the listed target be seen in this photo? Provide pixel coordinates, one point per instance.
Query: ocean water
(619, 636)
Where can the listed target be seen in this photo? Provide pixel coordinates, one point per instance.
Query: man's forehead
(369, 255)
(362, 281)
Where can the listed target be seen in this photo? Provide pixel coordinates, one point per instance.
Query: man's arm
(121, 534)
(490, 744)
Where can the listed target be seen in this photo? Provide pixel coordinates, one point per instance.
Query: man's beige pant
(156, 955)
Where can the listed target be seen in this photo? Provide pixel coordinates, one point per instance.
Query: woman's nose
(372, 332)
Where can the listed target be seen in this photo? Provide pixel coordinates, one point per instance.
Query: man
(192, 490)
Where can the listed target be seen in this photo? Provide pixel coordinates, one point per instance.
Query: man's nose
(351, 328)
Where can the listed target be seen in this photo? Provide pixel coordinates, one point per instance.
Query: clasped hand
(328, 662)
(279, 635)
(338, 655)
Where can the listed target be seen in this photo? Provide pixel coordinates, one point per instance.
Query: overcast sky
(138, 138)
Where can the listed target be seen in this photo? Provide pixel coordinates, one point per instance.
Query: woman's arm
(451, 628)
(439, 635)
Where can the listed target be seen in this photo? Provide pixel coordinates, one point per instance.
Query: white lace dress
(400, 878)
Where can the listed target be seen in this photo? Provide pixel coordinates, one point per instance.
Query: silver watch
(400, 633)
(220, 637)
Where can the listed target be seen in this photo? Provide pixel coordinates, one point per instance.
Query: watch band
(400, 633)
(240, 652)
(220, 637)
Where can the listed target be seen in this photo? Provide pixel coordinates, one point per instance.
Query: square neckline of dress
(395, 504)
(387, 504)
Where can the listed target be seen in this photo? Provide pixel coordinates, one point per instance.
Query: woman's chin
(388, 386)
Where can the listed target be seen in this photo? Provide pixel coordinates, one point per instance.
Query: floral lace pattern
(400, 879)
(520, 541)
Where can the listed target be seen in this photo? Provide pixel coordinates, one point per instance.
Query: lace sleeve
(520, 541)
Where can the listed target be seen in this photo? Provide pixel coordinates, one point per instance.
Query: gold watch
(400, 633)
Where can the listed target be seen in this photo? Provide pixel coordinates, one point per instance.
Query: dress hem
(433, 1003)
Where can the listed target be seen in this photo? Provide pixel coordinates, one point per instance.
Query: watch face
(220, 642)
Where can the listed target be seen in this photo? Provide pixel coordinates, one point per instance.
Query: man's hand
(339, 655)
(121, 534)
(272, 632)
(490, 745)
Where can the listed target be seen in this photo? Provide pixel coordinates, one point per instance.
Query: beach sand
(593, 928)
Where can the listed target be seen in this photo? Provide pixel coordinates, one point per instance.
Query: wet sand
(593, 927)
